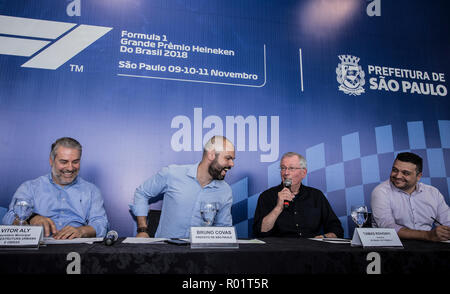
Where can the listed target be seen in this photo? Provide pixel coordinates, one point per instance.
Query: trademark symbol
(76, 68)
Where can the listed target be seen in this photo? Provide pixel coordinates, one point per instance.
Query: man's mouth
(225, 170)
(398, 181)
(68, 173)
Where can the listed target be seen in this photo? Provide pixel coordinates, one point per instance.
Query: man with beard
(65, 205)
(415, 210)
(184, 188)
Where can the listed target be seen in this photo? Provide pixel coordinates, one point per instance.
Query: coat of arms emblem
(350, 75)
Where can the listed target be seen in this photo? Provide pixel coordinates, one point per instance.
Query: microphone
(287, 183)
(110, 238)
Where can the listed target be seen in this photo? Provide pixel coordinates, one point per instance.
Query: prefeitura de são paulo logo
(350, 75)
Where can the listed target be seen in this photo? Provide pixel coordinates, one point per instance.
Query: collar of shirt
(50, 178)
(417, 190)
(192, 172)
(300, 194)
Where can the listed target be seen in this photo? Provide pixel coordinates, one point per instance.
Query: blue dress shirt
(182, 197)
(77, 204)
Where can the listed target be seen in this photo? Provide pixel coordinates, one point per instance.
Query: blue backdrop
(142, 84)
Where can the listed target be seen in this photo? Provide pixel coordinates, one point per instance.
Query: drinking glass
(23, 209)
(208, 212)
(359, 214)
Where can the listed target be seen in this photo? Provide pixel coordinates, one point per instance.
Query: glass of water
(359, 214)
(22, 209)
(208, 212)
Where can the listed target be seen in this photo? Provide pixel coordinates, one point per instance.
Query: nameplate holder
(213, 237)
(376, 237)
(20, 237)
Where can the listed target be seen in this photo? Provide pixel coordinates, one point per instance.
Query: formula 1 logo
(60, 41)
(350, 75)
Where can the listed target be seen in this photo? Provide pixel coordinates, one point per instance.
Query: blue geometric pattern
(416, 135)
(335, 177)
(444, 131)
(385, 141)
(350, 147)
(351, 181)
(370, 169)
(316, 154)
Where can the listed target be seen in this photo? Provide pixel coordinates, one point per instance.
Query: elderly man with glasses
(295, 210)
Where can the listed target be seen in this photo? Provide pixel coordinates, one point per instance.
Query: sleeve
(149, 189)
(224, 218)
(331, 223)
(97, 214)
(263, 208)
(381, 210)
(24, 191)
(443, 211)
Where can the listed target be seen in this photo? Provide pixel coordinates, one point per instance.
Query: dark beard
(215, 170)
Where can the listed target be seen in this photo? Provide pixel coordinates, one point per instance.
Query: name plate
(20, 236)
(213, 237)
(376, 237)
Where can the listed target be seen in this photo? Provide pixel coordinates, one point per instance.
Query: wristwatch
(30, 217)
(142, 230)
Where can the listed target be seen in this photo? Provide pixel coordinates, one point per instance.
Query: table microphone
(111, 238)
(287, 183)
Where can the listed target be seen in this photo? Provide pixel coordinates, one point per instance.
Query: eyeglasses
(290, 169)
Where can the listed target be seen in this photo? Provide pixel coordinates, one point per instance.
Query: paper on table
(252, 241)
(134, 240)
(50, 240)
(333, 240)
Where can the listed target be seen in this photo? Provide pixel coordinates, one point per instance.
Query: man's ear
(304, 173)
(211, 155)
(419, 175)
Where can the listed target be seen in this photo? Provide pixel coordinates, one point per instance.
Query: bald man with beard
(185, 188)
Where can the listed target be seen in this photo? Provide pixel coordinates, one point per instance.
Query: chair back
(153, 221)
(3, 211)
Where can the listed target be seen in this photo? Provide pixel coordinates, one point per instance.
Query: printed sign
(20, 236)
(213, 237)
(375, 237)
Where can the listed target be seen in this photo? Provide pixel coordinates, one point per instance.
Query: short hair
(300, 158)
(65, 142)
(411, 158)
(217, 143)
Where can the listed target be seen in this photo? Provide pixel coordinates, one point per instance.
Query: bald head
(218, 144)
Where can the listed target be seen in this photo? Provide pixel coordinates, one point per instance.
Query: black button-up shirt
(309, 215)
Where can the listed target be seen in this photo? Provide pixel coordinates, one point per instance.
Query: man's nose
(396, 175)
